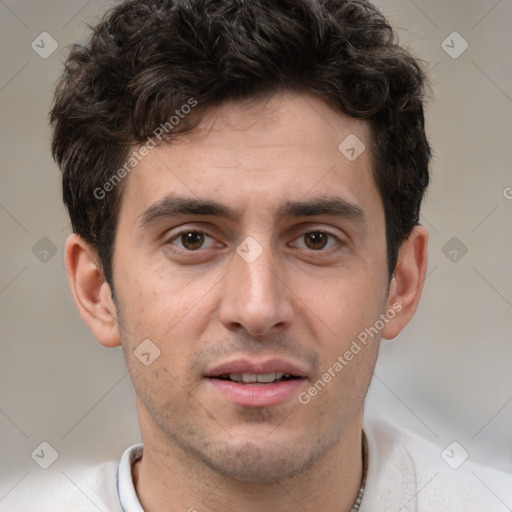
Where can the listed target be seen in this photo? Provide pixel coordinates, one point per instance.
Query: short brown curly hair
(147, 58)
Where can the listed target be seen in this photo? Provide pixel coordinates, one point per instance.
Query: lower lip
(257, 395)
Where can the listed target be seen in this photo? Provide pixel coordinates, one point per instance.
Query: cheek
(162, 392)
(173, 312)
(157, 302)
(344, 303)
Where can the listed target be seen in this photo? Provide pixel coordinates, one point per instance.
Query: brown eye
(192, 240)
(320, 241)
(316, 240)
(192, 244)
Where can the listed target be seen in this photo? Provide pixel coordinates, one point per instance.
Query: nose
(256, 298)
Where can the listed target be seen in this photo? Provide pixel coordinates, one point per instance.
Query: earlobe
(407, 282)
(91, 292)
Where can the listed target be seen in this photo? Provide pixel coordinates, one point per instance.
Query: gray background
(447, 377)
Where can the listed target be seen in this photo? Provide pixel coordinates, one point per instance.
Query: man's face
(281, 274)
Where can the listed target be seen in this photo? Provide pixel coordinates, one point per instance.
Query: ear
(407, 282)
(91, 292)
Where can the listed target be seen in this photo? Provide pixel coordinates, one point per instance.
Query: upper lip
(244, 365)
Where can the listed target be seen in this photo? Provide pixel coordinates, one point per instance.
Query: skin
(299, 301)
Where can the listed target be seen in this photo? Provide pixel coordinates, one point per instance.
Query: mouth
(257, 378)
(257, 384)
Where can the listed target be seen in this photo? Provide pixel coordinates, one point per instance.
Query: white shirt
(405, 473)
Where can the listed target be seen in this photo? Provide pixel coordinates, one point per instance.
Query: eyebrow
(173, 206)
(333, 206)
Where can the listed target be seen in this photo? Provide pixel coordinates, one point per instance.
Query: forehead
(246, 154)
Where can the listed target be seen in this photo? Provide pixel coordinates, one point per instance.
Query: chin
(263, 463)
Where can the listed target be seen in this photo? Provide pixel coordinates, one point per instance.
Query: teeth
(264, 377)
(249, 378)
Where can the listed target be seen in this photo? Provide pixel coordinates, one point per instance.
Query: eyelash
(179, 234)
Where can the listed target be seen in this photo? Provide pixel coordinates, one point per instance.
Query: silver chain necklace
(359, 498)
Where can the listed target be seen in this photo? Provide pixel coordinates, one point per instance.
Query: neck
(169, 478)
